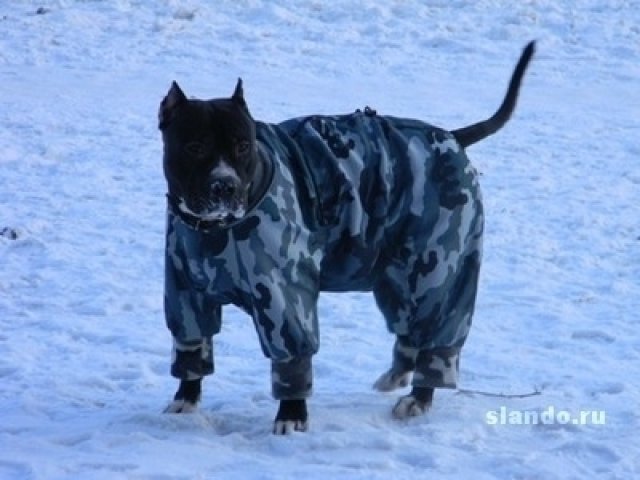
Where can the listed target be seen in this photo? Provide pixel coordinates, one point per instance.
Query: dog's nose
(223, 187)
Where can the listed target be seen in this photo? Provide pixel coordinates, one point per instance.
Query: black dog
(267, 216)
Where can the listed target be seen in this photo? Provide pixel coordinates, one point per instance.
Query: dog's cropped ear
(238, 95)
(174, 98)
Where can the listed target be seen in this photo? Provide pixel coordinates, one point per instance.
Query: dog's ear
(174, 98)
(238, 95)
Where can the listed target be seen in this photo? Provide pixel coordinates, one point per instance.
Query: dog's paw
(391, 380)
(292, 417)
(408, 407)
(181, 406)
(287, 427)
(415, 404)
(186, 398)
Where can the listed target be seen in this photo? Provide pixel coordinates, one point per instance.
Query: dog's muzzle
(221, 197)
(224, 190)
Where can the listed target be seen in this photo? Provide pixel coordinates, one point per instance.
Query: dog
(265, 216)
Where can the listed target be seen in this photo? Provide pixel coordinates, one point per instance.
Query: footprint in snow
(10, 233)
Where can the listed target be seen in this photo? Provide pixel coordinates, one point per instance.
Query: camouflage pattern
(357, 202)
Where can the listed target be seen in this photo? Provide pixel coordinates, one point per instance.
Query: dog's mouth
(219, 212)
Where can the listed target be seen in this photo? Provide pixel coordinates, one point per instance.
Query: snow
(84, 353)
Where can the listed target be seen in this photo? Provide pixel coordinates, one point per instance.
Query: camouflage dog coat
(356, 202)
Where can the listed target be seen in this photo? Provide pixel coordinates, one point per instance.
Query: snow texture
(84, 353)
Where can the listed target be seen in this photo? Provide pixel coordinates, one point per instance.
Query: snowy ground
(84, 353)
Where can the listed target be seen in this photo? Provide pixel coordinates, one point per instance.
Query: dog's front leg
(186, 398)
(292, 417)
(190, 364)
(292, 383)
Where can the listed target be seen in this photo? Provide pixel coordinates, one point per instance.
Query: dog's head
(210, 154)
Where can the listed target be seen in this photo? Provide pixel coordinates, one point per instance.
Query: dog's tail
(474, 133)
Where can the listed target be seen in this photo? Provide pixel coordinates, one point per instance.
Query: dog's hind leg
(441, 328)
(399, 376)
(414, 404)
(402, 367)
(427, 291)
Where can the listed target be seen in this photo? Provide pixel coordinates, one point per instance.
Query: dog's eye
(242, 148)
(195, 149)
